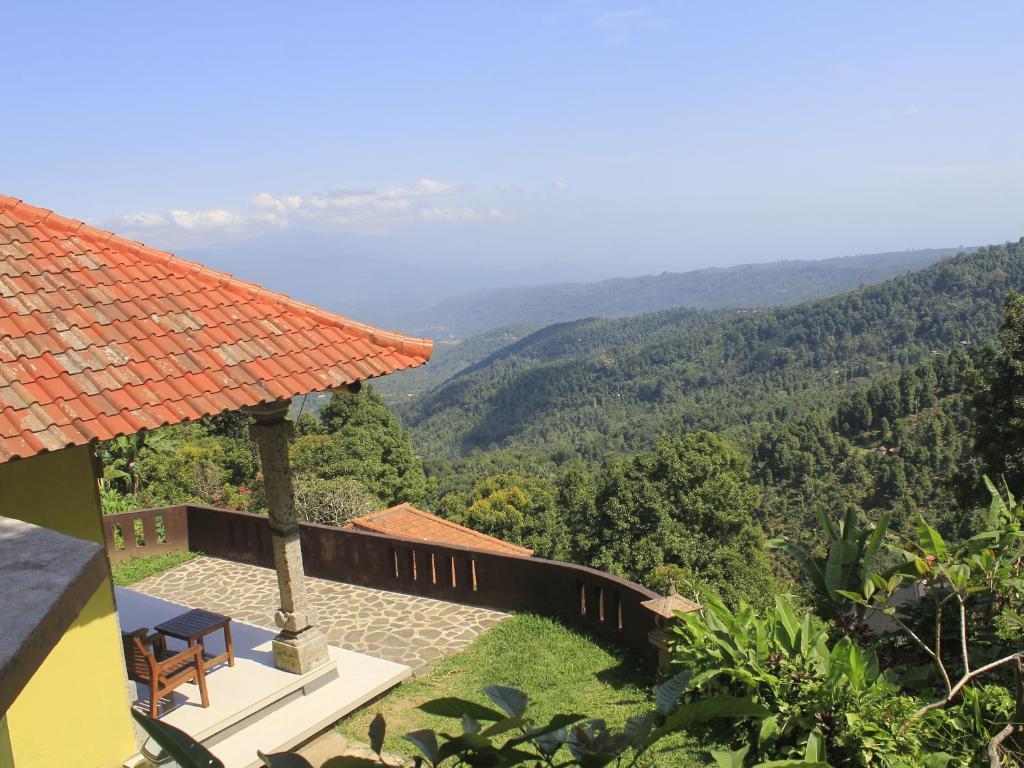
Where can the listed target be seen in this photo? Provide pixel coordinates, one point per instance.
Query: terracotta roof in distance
(102, 336)
(407, 522)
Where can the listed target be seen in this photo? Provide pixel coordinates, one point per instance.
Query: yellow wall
(54, 490)
(74, 710)
(6, 758)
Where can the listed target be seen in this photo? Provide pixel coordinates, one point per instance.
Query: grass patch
(138, 568)
(561, 671)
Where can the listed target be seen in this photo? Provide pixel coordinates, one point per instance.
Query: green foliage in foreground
(136, 569)
(953, 646)
(773, 686)
(562, 670)
(814, 692)
(504, 733)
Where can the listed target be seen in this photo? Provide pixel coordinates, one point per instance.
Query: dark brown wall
(146, 532)
(592, 600)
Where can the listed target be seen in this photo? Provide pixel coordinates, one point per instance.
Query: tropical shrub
(782, 660)
(973, 593)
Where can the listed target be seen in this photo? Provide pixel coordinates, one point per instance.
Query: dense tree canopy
(688, 503)
(514, 507)
(355, 450)
(999, 405)
(361, 440)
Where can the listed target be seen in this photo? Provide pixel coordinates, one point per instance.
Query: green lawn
(561, 670)
(138, 568)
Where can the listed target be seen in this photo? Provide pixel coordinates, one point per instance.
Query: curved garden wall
(592, 600)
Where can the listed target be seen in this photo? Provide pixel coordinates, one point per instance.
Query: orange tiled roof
(407, 522)
(101, 336)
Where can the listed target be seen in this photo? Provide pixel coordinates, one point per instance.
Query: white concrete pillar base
(300, 652)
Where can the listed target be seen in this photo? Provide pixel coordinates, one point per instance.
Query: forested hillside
(778, 283)
(599, 387)
(666, 445)
(450, 357)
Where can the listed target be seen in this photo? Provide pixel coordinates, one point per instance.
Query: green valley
(597, 386)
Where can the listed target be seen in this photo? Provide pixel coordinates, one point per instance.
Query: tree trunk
(1013, 734)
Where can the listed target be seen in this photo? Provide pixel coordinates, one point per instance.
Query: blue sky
(608, 138)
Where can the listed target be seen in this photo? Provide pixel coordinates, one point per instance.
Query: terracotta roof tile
(102, 336)
(407, 522)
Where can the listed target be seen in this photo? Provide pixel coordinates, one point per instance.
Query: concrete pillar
(300, 646)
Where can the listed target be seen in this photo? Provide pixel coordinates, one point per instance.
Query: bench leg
(201, 680)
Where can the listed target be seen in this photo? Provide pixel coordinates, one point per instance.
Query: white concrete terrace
(254, 705)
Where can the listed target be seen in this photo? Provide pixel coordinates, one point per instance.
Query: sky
(554, 140)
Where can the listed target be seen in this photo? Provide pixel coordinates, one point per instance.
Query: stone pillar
(300, 646)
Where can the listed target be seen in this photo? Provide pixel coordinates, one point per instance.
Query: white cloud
(451, 213)
(266, 201)
(213, 219)
(561, 184)
(339, 208)
(144, 219)
(217, 218)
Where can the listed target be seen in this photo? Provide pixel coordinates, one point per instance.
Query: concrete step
(301, 717)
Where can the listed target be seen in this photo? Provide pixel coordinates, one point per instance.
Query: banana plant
(845, 567)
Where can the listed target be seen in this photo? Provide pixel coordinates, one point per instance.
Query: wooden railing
(592, 600)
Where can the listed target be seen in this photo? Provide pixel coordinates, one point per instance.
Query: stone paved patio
(403, 628)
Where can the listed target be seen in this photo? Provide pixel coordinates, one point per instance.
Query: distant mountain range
(778, 283)
(601, 385)
(469, 328)
(431, 293)
(371, 279)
